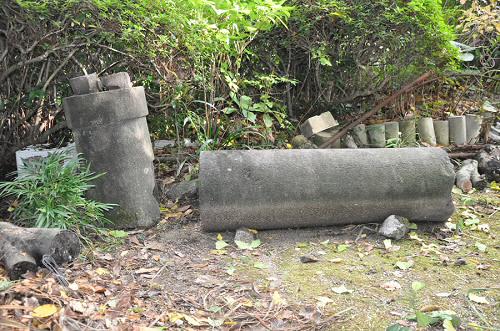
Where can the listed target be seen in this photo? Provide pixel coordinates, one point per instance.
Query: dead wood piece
(462, 156)
(489, 162)
(22, 249)
(468, 177)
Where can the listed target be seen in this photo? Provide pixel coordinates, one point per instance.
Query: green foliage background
(242, 72)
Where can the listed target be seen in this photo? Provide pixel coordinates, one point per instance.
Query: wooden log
(468, 177)
(22, 249)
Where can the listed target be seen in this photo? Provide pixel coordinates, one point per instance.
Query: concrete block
(457, 128)
(322, 137)
(408, 132)
(271, 189)
(111, 132)
(426, 131)
(318, 124)
(85, 84)
(37, 152)
(376, 135)
(360, 136)
(473, 128)
(391, 130)
(441, 130)
(120, 80)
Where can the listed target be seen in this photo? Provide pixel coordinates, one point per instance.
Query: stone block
(317, 124)
(85, 84)
(37, 152)
(120, 80)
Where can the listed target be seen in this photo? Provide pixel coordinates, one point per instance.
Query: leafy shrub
(50, 194)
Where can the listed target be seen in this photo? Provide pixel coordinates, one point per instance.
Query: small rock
(394, 227)
(460, 261)
(159, 144)
(301, 142)
(186, 190)
(244, 235)
(308, 259)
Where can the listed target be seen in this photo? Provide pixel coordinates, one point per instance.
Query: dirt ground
(173, 277)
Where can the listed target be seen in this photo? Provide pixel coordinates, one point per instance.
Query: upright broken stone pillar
(270, 189)
(110, 130)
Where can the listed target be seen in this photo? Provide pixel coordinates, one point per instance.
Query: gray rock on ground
(394, 227)
(244, 235)
(186, 190)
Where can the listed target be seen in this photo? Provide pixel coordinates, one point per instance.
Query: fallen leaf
(220, 244)
(417, 286)
(477, 298)
(336, 260)
(387, 243)
(44, 311)
(192, 320)
(448, 325)
(323, 301)
(391, 285)
(243, 245)
(276, 298)
(341, 289)
(480, 247)
(342, 247)
(146, 270)
(102, 271)
(430, 308)
(443, 294)
(404, 265)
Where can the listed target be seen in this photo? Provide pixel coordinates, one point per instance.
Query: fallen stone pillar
(318, 187)
(111, 132)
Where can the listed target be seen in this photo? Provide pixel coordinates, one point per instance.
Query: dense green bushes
(226, 72)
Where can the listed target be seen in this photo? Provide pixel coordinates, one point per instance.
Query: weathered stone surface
(394, 227)
(457, 128)
(186, 190)
(271, 189)
(441, 130)
(37, 152)
(111, 132)
(322, 137)
(244, 235)
(85, 84)
(348, 142)
(159, 144)
(360, 136)
(408, 132)
(120, 80)
(391, 130)
(426, 131)
(317, 124)
(473, 128)
(301, 142)
(376, 135)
